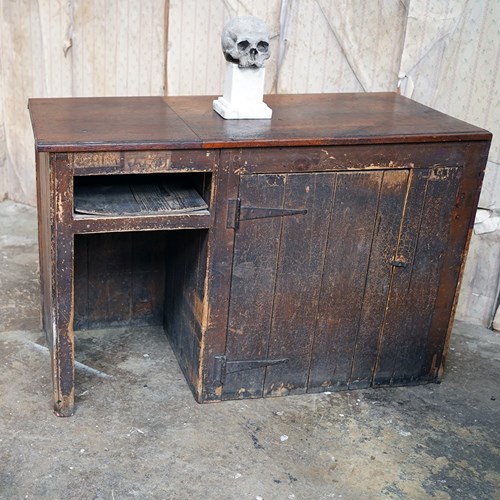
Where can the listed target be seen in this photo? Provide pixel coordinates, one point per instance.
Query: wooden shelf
(102, 224)
(116, 199)
(117, 204)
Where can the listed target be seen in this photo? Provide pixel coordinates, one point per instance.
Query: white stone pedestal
(243, 93)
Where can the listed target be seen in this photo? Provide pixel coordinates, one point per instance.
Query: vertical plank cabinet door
(334, 278)
(365, 214)
(255, 260)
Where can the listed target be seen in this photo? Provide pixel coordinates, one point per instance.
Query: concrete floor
(138, 433)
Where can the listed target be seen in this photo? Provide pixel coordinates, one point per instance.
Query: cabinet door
(331, 279)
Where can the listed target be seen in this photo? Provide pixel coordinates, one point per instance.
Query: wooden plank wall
(447, 51)
(57, 48)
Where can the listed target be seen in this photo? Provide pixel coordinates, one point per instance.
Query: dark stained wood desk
(326, 255)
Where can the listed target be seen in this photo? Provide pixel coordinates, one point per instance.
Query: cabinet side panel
(298, 282)
(44, 241)
(186, 261)
(385, 238)
(349, 242)
(255, 262)
(462, 221)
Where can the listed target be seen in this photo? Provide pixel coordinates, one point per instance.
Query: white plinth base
(257, 111)
(243, 93)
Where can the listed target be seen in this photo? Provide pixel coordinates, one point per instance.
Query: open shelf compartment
(142, 195)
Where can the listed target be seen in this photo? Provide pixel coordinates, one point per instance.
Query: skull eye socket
(262, 46)
(243, 45)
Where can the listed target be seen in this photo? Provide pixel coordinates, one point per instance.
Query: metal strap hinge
(236, 213)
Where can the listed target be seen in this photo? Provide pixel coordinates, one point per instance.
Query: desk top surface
(141, 123)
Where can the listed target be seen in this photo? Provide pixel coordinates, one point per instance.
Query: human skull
(245, 42)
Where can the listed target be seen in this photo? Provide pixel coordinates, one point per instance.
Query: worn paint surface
(267, 291)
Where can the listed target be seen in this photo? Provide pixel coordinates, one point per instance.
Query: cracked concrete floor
(139, 433)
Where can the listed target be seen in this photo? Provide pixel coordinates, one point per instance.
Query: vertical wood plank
(110, 277)
(253, 284)
(225, 184)
(81, 320)
(62, 244)
(183, 304)
(298, 281)
(397, 319)
(414, 289)
(432, 242)
(341, 46)
(349, 242)
(99, 253)
(147, 280)
(119, 279)
(32, 64)
(118, 47)
(390, 209)
(44, 180)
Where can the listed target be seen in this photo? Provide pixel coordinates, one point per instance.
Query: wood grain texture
(414, 288)
(350, 235)
(455, 258)
(396, 320)
(181, 122)
(435, 223)
(325, 119)
(344, 256)
(298, 282)
(218, 282)
(62, 250)
(82, 224)
(137, 198)
(119, 279)
(358, 310)
(184, 299)
(142, 162)
(255, 261)
(108, 124)
(358, 158)
(378, 278)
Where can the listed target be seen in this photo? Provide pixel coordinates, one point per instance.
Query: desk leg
(62, 276)
(63, 355)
